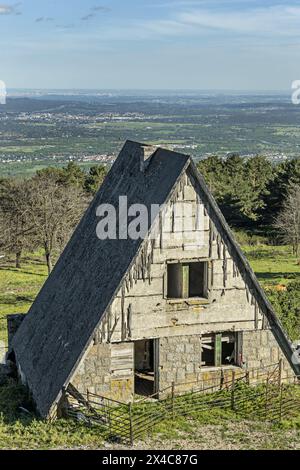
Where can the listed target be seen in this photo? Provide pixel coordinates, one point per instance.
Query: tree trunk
(48, 261)
(18, 259)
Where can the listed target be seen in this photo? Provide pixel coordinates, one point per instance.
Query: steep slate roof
(60, 324)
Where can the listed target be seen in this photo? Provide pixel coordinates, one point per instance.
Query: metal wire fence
(266, 398)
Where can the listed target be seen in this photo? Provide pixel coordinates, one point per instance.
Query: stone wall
(93, 373)
(179, 359)
(96, 374)
(108, 369)
(260, 349)
(180, 362)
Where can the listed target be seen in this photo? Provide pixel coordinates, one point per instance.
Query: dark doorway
(144, 368)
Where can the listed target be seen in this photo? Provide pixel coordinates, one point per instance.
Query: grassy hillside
(273, 265)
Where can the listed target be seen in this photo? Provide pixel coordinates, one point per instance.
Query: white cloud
(9, 9)
(280, 20)
(273, 22)
(100, 8)
(6, 9)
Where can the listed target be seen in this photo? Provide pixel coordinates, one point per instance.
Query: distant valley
(41, 128)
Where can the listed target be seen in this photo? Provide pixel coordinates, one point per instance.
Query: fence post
(130, 423)
(88, 399)
(280, 372)
(267, 394)
(173, 398)
(222, 379)
(232, 391)
(247, 377)
(280, 402)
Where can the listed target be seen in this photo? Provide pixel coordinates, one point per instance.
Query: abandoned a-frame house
(178, 304)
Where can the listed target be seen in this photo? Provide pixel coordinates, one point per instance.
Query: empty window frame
(219, 349)
(187, 280)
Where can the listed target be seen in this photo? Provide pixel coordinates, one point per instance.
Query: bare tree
(288, 221)
(17, 231)
(55, 210)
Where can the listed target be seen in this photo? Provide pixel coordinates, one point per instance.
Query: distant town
(37, 130)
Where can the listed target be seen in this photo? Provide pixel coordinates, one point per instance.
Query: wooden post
(280, 402)
(247, 377)
(218, 349)
(222, 379)
(232, 391)
(280, 371)
(88, 399)
(185, 281)
(266, 397)
(173, 400)
(130, 423)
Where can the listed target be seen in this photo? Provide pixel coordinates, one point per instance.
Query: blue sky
(157, 44)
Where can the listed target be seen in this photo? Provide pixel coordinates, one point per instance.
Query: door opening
(144, 367)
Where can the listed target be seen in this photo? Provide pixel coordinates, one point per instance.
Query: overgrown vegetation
(23, 430)
(251, 192)
(287, 306)
(212, 428)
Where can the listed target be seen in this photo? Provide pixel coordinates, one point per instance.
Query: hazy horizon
(149, 90)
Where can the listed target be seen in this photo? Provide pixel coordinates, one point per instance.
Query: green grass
(19, 287)
(273, 265)
(211, 429)
(219, 430)
(24, 431)
(26, 169)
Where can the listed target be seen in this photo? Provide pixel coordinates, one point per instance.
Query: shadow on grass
(268, 254)
(13, 300)
(15, 404)
(21, 271)
(275, 276)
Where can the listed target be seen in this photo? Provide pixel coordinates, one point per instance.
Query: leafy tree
(72, 174)
(212, 168)
(50, 172)
(286, 175)
(258, 172)
(239, 186)
(287, 306)
(95, 178)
